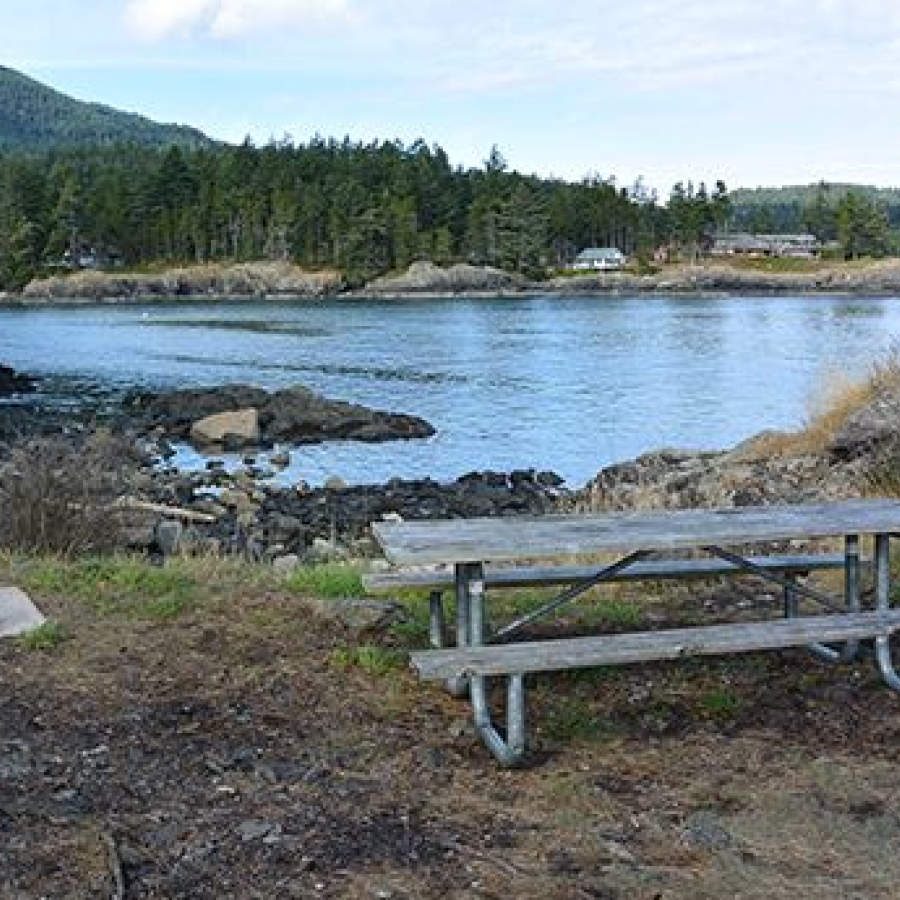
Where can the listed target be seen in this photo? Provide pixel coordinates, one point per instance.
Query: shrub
(55, 495)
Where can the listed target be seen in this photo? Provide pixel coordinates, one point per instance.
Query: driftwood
(173, 512)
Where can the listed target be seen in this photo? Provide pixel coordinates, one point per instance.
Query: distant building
(797, 246)
(600, 259)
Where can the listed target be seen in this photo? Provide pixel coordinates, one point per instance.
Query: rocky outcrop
(293, 415)
(427, 278)
(12, 382)
(264, 279)
(238, 428)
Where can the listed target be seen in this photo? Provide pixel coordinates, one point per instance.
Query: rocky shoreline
(246, 512)
(283, 281)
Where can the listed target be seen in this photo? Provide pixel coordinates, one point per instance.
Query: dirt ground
(241, 750)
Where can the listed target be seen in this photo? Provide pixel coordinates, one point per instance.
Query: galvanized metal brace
(509, 748)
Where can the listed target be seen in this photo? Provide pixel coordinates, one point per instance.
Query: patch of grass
(610, 611)
(370, 658)
(45, 637)
(720, 704)
(571, 719)
(116, 585)
(327, 580)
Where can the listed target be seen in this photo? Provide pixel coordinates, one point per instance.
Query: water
(568, 384)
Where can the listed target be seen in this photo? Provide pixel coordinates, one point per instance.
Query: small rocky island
(236, 416)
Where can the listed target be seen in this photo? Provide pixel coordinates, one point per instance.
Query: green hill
(35, 117)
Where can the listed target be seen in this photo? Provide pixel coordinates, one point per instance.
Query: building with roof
(797, 246)
(599, 259)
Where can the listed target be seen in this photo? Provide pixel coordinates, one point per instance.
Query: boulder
(241, 427)
(18, 614)
(12, 382)
(869, 428)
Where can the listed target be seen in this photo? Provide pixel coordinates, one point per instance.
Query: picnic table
(475, 547)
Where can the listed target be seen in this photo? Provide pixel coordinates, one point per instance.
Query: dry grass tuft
(839, 398)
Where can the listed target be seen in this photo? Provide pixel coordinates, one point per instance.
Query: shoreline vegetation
(282, 280)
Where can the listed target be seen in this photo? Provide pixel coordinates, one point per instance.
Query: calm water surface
(568, 384)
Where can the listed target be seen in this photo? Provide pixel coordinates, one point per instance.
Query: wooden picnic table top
(430, 542)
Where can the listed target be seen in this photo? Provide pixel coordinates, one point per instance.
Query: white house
(600, 259)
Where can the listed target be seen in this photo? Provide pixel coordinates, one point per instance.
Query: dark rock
(12, 382)
(294, 415)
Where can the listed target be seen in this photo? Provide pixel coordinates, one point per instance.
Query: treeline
(860, 220)
(362, 208)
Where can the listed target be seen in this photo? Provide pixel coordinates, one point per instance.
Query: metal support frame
(802, 590)
(883, 603)
(569, 594)
(437, 625)
(850, 650)
(509, 750)
(459, 687)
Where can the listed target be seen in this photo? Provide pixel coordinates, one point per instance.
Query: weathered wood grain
(640, 571)
(519, 538)
(616, 649)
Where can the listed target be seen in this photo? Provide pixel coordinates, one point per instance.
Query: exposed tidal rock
(12, 382)
(427, 278)
(295, 415)
(269, 522)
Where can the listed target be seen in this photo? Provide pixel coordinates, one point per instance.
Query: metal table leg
(883, 603)
(508, 750)
(459, 687)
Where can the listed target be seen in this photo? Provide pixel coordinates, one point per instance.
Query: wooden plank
(557, 575)
(432, 542)
(644, 646)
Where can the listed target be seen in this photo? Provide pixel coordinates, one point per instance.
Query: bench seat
(616, 649)
(640, 571)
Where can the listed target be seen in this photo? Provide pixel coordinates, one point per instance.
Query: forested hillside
(361, 208)
(36, 117)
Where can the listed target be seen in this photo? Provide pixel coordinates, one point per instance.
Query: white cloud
(154, 20)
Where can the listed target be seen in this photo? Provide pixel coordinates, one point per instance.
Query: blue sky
(757, 93)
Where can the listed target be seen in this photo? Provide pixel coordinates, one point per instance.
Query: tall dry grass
(830, 408)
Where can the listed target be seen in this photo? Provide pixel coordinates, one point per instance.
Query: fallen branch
(172, 512)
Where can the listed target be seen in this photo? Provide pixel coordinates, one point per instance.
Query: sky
(755, 92)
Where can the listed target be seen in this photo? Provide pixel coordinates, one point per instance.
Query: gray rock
(361, 613)
(18, 614)
(704, 829)
(284, 565)
(240, 426)
(869, 428)
(425, 277)
(168, 535)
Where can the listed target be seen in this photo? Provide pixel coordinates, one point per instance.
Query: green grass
(370, 658)
(45, 637)
(117, 585)
(720, 704)
(327, 580)
(610, 611)
(570, 719)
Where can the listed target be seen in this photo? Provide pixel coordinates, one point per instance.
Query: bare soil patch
(235, 747)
